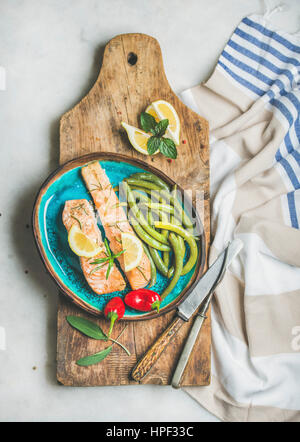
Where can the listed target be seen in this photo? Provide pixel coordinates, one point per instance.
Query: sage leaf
(94, 359)
(167, 148)
(161, 128)
(87, 327)
(148, 122)
(153, 145)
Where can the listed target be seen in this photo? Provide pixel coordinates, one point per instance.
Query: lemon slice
(162, 109)
(137, 137)
(81, 244)
(133, 251)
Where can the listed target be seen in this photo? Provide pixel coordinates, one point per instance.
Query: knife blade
(185, 310)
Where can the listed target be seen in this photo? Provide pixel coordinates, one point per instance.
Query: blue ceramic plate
(51, 237)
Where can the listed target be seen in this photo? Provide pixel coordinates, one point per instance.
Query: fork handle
(153, 354)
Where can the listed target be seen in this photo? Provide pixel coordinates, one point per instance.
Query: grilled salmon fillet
(114, 220)
(81, 210)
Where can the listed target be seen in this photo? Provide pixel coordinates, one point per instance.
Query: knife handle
(153, 354)
(187, 350)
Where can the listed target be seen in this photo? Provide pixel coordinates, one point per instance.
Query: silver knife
(220, 265)
(185, 311)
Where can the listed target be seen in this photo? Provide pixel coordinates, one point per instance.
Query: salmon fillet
(76, 211)
(114, 220)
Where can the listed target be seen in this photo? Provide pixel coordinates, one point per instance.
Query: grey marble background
(51, 51)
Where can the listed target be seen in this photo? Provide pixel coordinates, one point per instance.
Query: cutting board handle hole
(132, 58)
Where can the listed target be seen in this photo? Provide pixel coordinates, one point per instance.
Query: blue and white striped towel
(252, 102)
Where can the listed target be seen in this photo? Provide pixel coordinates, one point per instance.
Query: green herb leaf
(153, 145)
(99, 261)
(161, 128)
(111, 263)
(119, 254)
(167, 148)
(94, 359)
(107, 247)
(147, 122)
(142, 273)
(76, 219)
(98, 267)
(86, 327)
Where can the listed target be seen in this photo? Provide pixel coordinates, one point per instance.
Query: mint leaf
(94, 359)
(160, 128)
(86, 327)
(153, 145)
(167, 148)
(147, 122)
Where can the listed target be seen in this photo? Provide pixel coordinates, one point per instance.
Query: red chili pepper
(114, 310)
(143, 300)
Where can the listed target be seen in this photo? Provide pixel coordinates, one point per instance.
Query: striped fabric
(252, 102)
(267, 65)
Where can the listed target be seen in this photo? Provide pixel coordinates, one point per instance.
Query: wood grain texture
(121, 92)
(153, 354)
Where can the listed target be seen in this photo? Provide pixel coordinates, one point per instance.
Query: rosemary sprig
(97, 268)
(97, 186)
(110, 258)
(80, 206)
(142, 273)
(116, 224)
(76, 219)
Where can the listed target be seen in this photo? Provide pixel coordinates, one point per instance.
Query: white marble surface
(51, 51)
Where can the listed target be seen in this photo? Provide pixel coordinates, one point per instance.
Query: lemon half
(161, 110)
(133, 251)
(137, 137)
(81, 244)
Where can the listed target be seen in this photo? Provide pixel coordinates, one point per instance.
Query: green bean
(152, 266)
(178, 265)
(185, 218)
(174, 220)
(166, 258)
(140, 217)
(181, 244)
(167, 196)
(141, 196)
(146, 202)
(146, 176)
(143, 183)
(188, 238)
(161, 194)
(158, 262)
(162, 207)
(153, 193)
(144, 236)
(170, 272)
(162, 265)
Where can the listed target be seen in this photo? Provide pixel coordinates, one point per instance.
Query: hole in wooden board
(132, 58)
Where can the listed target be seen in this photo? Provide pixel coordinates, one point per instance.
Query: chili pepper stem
(113, 317)
(156, 305)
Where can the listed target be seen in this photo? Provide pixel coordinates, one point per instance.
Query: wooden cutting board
(132, 76)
